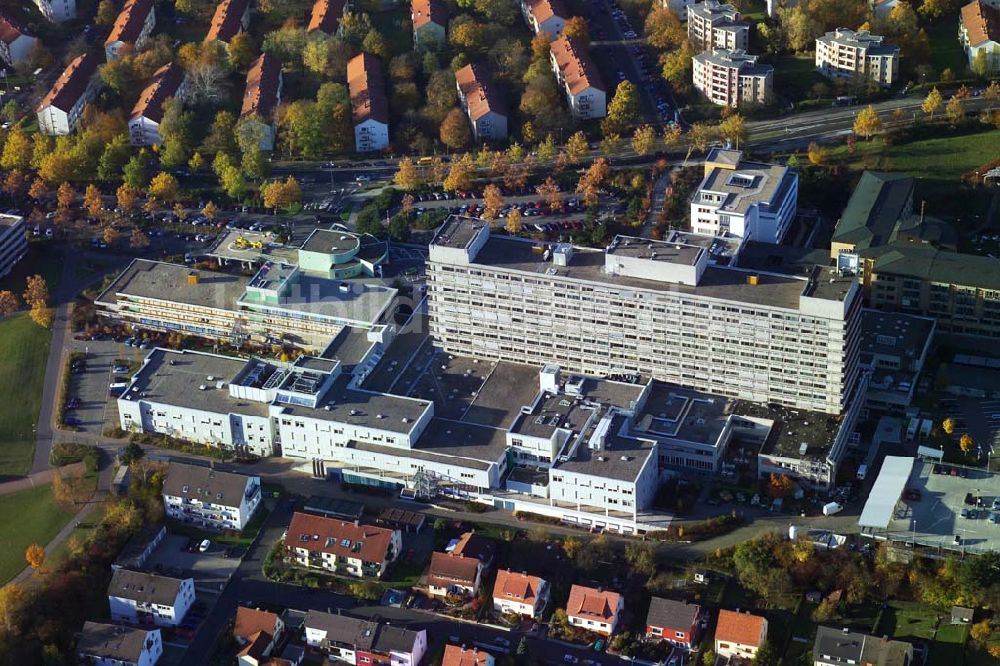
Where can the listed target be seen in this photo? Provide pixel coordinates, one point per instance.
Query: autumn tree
(93, 201)
(455, 131)
(867, 123)
(110, 234)
(36, 291)
(733, 129)
(38, 189)
(17, 150)
(65, 195)
(623, 110)
(954, 110)
(8, 303)
(932, 103)
(591, 181)
(663, 29)
(701, 135)
(675, 66)
(816, 154)
(513, 221)
(12, 601)
(210, 210)
(164, 187)
(42, 315)
(549, 191)
(138, 240)
(281, 193)
(493, 202)
(948, 425)
(966, 443)
(643, 139)
(127, 198)
(407, 175)
(576, 28)
(981, 631)
(35, 556)
(577, 146)
(14, 182)
(106, 12)
(779, 485)
(571, 546)
(460, 174)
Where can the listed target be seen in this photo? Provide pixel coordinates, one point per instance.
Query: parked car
(204, 546)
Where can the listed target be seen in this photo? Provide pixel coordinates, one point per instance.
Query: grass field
(916, 622)
(946, 51)
(24, 348)
(27, 517)
(795, 75)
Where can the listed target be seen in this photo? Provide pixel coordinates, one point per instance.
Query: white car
(204, 546)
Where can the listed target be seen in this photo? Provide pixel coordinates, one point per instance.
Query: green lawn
(795, 75)
(24, 348)
(905, 620)
(949, 645)
(946, 51)
(30, 516)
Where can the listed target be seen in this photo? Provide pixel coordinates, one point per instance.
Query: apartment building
(231, 17)
(713, 25)
(846, 53)
(517, 593)
(13, 242)
(342, 547)
(259, 113)
(840, 647)
(131, 29)
(369, 105)
(679, 7)
(16, 43)
(61, 108)
(647, 307)
(732, 78)
(325, 16)
(358, 642)
(168, 82)
(459, 655)
(675, 622)
(979, 32)
(579, 78)
(482, 102)
(548, 16)
(142, 598)
(57, 11)
(593, 609)
(739, 635)
(102, 644)
(450, 574)
(210, 498)
(430, 22)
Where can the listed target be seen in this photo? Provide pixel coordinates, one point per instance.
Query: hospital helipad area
(938, 506)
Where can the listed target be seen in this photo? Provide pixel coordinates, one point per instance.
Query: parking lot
(980, 418)
(94, 411)
(210, 569)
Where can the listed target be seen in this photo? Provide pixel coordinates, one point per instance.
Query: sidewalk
(37, 479)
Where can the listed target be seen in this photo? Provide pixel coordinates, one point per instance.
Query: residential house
(676, 622)
(138, 597)
(363, 642)
(230, 19)
(363, 551)
(57, 11)
(430, 21)
(257, 633)
(102, 644)
(470, 544)
(548, 16)
(846, 53)
(519, 594)
(455, 655)
(593, 609)
(131, 29)
(60, 110)
(840, 647)
(579, 78)
(325, 17)
(16, 43)
(261, 99)
(369, 106)
(713, 25)
(732, 78)
(979, 32)
(210, 498)
(739, 635)
(168, 82)
(456, 575)
(482, 102)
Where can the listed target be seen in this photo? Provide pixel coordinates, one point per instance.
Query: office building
(131, 29)
(16, 43)
(231, 17)
(483, 103)
(259, 113)
(979, 32)
(548, 16)
(579, 78)
(846, 53)
(713, 25)
(60, 109)
(57, 11)
(168, 82)
(732, 78)
(210, 498)
(369, 105)
(13, 242)
(136, 597)
(749, 200)
(325, 16)
(895, 347)
(430, 22)
(102, 644)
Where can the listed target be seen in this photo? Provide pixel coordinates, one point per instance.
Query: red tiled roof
(263, 79)
(462, 656)
(446, 569)
(326, 16)
(129, 23)
(586, 602)
(982, 22)
(478, 92)
(543, 10)
(326, 535)
(423, 12)
(517, 586)
(575, 65)
(164, 84)
(226, 22)
(250, 621)
(71, 83)
(742, 628)
(10, 30)
(364, 79)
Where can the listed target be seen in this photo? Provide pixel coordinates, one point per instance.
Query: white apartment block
(658, 309)
(142, 598)
(579, 78)
(748, 200)
(210, 498)
(482, 103)
(57, 11)
(168, 82)
(101, 644)
(732, 78)
(679, 7)
(131, 29)
(16, 44)
(362, 551)
(369, 105)
(60, 109)
(846, 53)
(548, 16)
(979, 32)
(13, 242)
(713, 25)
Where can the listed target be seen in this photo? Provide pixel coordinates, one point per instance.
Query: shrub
(67, 453)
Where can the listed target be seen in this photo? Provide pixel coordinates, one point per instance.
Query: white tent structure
(885, 492)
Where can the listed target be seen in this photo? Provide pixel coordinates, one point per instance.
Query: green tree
(106, 13)
(17, 150)
(399, 229)
(135, 172)
(623, 110)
